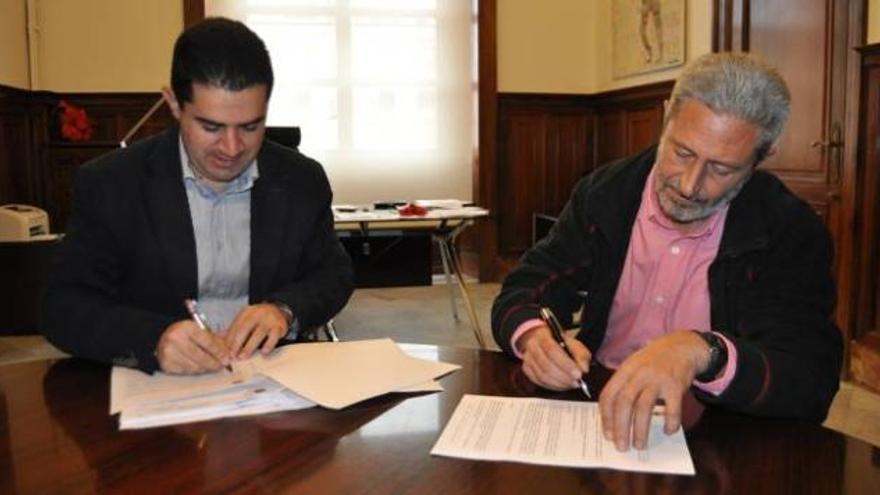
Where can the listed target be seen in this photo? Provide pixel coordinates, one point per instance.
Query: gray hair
(737, 84)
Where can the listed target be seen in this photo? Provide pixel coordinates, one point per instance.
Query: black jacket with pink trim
(771, 289)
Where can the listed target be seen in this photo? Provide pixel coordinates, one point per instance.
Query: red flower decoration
(412, 210)
(75, 123)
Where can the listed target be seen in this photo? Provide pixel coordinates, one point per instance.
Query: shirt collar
(653, 212)
(244, 182)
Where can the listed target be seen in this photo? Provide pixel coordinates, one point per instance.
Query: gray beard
(689, 214)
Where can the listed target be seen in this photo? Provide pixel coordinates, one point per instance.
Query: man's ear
(172, 102)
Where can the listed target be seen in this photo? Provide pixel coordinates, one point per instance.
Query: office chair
(285, 136)
(315, 334)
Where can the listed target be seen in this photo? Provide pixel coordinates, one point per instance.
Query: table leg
(445, 258)
(449, 241)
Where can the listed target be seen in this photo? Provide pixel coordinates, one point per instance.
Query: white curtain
(384, 90)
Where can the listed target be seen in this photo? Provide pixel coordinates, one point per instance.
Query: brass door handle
(834, 145)
(826, 144)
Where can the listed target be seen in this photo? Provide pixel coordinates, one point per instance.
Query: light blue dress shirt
(222, 227)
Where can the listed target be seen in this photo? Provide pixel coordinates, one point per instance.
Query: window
(384, 90)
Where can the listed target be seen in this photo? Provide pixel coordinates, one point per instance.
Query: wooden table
(56, 436)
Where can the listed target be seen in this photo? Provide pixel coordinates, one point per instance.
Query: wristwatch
(717, 356)
(292, 321)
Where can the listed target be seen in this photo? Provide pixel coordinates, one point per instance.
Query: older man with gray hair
(702, 273)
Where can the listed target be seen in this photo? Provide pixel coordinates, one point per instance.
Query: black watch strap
(717, 356)
(292, 320)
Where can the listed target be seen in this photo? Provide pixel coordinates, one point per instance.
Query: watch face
(717, 356)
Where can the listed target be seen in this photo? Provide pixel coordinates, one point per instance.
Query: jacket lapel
(168, 209)
(269, 210)
(745, 228)
(626, 195)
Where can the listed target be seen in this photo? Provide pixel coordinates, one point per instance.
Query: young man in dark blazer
(207, 210)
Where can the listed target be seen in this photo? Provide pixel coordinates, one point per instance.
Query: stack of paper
(329, 374)
(553, 432)
(186, 399)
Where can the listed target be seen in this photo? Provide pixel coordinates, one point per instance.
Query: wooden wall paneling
(629, 120)
(850, 91)
(193, 12)
(730, 26)
(48, 165)
(15, 146)
(57, 178)
(485, 165)
(547, 142)
(569, 157)
(643, 128)
(522, 178)
(545, 146)
(610, 135)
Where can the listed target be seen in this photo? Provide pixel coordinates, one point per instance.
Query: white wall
(548, 46)
(104, 45)
(563, 46)
(874, 21)
(13, 44)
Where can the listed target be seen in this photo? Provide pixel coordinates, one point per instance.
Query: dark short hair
(219, 52)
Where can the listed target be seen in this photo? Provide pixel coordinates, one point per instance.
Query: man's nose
(692, 180)
(230, 142)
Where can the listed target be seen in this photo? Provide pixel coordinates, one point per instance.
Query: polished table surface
(56, 436)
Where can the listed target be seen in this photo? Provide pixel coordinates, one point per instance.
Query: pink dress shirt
(663, 287)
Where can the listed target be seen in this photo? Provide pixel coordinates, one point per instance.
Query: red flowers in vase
(75, 123)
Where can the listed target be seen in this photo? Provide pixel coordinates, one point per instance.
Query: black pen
(556, 330)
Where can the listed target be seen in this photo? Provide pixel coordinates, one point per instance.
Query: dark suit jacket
(129, 258)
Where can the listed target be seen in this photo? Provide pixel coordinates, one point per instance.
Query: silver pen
(556, 330)
(192, 306)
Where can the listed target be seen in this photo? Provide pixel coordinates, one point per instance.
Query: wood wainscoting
(15, 146)
(547, 142)
(37, 167)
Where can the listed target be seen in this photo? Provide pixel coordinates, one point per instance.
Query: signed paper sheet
(552, 432)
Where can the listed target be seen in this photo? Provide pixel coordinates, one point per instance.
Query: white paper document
(330, 374)
(552, 432)
(145, 401)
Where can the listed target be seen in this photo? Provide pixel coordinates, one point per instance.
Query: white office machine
(23, 223)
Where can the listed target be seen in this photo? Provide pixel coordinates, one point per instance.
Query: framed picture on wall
(647, 35)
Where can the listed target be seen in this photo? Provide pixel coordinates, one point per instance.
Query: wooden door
(865, 350)
(811, 43)
(796, 37)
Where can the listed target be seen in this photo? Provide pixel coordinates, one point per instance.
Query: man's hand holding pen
(192, 346)
(184, 347)
(547, 364)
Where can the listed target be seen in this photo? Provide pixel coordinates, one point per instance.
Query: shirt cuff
(719, 385)
(521, 330)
